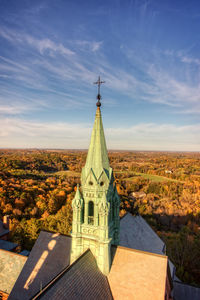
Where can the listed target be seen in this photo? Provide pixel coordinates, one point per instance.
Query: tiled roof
(82, 280)
(49, 256)
(9, 246)
(134, 274)
(137, 275)
(11, 265)
(135, 233)
(185, 292)
(3, 230)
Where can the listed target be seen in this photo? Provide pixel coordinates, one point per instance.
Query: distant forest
(37, 187)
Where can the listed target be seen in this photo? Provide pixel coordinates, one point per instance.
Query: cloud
(46, 44)
(165, 77)
(4, 76)
(42, 129)
(171, 91)
(190, 60)
(15, 132)
(96, 46)
(13, 109)
(152, 136)
(12, 102)
(20, 133)
(89, 45)
(154, 84)
(41, 45)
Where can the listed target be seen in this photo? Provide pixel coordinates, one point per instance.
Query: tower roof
(78, 193)
(97, 158)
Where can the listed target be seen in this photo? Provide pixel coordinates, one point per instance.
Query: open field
(155, 178)
(67, 173)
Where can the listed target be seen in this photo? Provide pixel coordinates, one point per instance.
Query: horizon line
(86, 149)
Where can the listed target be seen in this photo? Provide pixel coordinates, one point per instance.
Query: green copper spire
(96, 210)
(97, 158)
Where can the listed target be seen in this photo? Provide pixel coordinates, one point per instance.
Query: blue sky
(147, 51)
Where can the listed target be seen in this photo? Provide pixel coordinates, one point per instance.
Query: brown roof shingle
(137, 275)
(135, 233)
(82, 280)
(11, 265)
(184, 291)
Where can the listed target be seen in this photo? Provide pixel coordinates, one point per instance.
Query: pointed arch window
(91, 213)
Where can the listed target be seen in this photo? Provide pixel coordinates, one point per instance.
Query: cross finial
(99, 82)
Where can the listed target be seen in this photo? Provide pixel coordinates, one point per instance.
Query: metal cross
(99, 82)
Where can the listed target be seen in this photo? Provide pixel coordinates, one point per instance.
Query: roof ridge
(141, 251)
(55, 232)
(14, 253)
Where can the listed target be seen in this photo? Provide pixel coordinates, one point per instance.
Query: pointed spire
(78, 193)
(77, 201)
(97, 158)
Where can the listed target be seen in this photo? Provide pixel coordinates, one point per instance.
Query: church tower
(96, 209)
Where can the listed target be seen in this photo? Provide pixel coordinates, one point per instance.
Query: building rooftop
(49, 256)
(184, 291)
(137, 275)
(133, 272)
(82, 280)
(3, 230)
(11, 265)
(9, 246)
(130, 277)
(25, 253)
(135, 233)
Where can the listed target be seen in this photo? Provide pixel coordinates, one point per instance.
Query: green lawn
(68, 173)
(155, 178)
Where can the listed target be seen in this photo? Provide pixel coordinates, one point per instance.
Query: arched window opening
(91, 213)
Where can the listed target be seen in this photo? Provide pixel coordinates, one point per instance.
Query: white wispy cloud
(41, 45)
(12, 102)
(143, 136)
(23, 133)
(190, 60)
(152, 136)
(89, 45)
(14, 63)
(157, 85)
(47, 44)
(13, 109)
(168, 78)
(171, 91)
